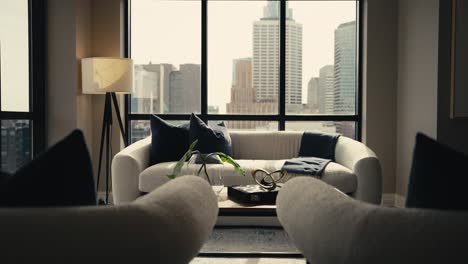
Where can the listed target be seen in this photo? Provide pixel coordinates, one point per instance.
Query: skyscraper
(345, 75)
(266, 33)
(185, 89)
(15, 144)
(151, 90)
(243, 96)
(313, 94)
(326, 98)
(345, 68)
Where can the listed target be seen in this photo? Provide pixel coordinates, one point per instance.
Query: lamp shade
(107, 75)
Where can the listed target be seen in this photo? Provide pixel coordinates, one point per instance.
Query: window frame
(37, 70)
(281, 117)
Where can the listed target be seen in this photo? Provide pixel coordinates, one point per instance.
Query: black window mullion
(37, 51)
(204, 60)
(282, 68)
(281, 117)
(127, 54)
(359, 60)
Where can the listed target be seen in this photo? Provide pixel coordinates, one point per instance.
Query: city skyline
(319, 20)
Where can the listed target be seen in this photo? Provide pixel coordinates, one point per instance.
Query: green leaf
(180, 163)
(229, 160)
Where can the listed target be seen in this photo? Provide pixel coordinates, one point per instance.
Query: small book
(253, 194)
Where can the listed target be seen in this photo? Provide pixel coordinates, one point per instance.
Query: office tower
(242, 92)
(313, 95)
(345, 75)
(326, 98)
(151, 92)
(345, 68)
(243, 96)
(266, 41)
(15, 144)
(185, 89)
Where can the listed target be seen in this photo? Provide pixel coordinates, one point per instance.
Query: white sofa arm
(126, 168)
(329, 227)
(168, 225)
(364, 163)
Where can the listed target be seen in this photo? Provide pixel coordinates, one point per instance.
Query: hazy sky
(170, 32)
(14, 55)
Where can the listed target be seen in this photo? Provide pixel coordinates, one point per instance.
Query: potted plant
(190, 152)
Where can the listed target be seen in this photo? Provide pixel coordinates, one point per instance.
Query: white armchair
(329, 227)
(169, 225)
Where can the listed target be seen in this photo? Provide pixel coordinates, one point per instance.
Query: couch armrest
(363, 162)
(330, 227)
(168, 225)
(126, 168)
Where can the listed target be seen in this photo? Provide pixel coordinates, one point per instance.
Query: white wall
(79, 29)
(62, 79)
(417, 80)
(379, 84)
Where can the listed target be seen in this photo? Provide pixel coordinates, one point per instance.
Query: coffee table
(231, 208)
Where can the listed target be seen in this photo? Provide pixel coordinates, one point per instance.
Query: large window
(21, 81)
(256, 64)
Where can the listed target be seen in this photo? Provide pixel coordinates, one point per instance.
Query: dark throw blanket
(316, 152)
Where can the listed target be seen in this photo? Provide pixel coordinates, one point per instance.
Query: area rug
(246, 261)
(249, 240)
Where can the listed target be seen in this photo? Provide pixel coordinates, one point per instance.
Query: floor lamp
(107, 76)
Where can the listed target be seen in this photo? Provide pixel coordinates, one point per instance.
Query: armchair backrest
(265, 145)
(330, 227)
(168, 225)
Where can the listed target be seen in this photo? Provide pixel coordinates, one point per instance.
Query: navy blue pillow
(168, 142)
(438, 178)
(210, 139)
(61, 176)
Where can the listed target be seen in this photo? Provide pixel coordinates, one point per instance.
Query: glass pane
(321, 61)
(15, 144)
(141, 129)
(14, 56)
(243, 57)
(347, 129)
(166, 49)
(248, 125)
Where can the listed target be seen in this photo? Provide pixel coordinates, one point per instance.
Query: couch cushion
(60, 176)
(265, 145)
(168, 142)
(437, 178)
(335, 174)
(210, 138)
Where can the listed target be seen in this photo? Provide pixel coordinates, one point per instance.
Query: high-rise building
(185, 89)
(313, 95)
(151, 92)
(345, 75)
(266, 44)
(326, 91)
(243, 96)
(242, 92)
(15, 144)
(345, 68)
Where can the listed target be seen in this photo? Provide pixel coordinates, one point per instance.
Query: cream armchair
(169, 225)
(329, 227)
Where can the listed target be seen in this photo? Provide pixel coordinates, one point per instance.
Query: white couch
(169, 225)
(356, 172)
(329, 227)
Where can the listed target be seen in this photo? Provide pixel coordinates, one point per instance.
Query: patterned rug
(246, 261)
(249, 240)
